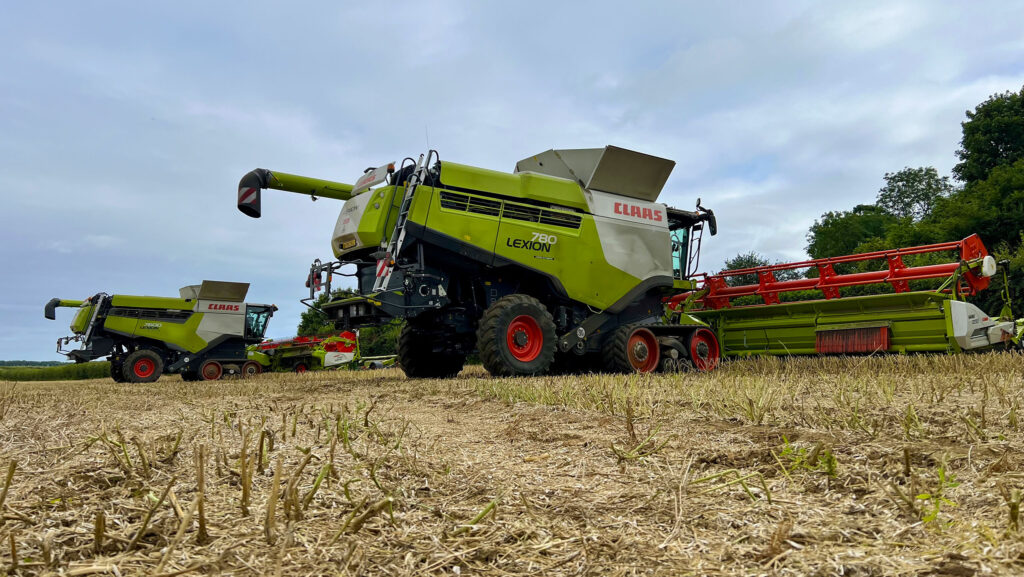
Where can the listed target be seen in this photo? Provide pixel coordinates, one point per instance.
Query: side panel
(220, 318)
(129, 301)
(917, 323)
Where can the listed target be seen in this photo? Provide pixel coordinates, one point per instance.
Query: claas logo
(218, 307)
(637, 211)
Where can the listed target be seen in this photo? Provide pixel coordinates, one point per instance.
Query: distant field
(863, 466)
(69, 372)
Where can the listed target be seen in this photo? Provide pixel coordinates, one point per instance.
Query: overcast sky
(125, 126)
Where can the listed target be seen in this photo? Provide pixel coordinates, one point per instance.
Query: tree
(373, 341)
(912, 192)
(313, 321)
(752, 259)
(744, 260)
(839, 233)
(993, 135)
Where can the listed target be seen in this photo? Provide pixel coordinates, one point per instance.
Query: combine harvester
(313, 353)
(561, 265)
(902, 321)
(202, 334)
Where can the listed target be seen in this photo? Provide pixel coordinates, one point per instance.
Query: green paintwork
(310, 186)
(537, 187)
(918, 322)
(372, 225)
(590, 280)
(180, 335)
(166, 303)
(80, 323)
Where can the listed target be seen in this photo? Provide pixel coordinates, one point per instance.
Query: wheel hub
(520, 338)
(640, 351)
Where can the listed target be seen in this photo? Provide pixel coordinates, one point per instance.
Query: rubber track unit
(417, 359)
(616, 356)
(491, 336)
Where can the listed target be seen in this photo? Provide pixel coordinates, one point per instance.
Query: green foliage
(912, 192)
(936, 499)
(839, 233)
(32, 363)
(64, 372)
(819, 459)
(373, 341)
(993, 135)
(750, 260)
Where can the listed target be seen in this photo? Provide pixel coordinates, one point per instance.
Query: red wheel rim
(144, 368)
(524, 338)
(642, 351)
(704, 350)
(211, 371)
(300, 369)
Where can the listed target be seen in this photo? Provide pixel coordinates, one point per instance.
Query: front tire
(418, 360)
(142, 366)
(516, 337)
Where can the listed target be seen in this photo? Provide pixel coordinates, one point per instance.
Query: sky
(125, 126)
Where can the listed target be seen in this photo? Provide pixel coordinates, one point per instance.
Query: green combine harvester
(562, 264)
(825, 321)
(202, 334)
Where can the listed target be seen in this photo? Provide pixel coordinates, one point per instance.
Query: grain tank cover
(609, 169)
(215, 290)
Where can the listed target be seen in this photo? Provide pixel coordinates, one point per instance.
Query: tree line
(916, 206)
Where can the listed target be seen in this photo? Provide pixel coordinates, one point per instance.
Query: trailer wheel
(300, 368)
(704, 350)
(142, 366)
(251, 369)
(516, 337)
(632, 349)
(418, 360)
(211, 371)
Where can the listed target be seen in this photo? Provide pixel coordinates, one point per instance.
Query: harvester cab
(202, 334)
(562, 263)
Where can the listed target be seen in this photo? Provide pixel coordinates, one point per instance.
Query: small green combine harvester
(203, 334)
(826, 322)
(313, 353)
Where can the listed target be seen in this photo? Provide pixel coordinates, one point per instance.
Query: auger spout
(250, 185)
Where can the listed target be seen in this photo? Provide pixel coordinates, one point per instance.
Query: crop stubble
(833, 466)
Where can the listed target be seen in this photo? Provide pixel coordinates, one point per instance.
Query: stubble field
(856, 466)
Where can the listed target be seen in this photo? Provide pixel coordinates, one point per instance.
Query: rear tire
(632, 349)
(300, 368)
(142, 366)
(418, 360)
(703, 349)
(516, 337)
(251, 369)
(211, 371)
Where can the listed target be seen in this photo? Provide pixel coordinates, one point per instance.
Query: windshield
(680, 242)
(256, 317)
